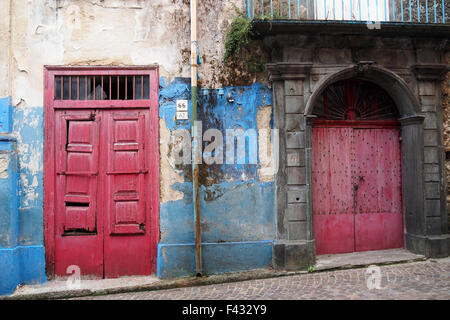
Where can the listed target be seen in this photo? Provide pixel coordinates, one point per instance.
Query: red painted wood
(357, 123)
(49, 174)
(101, 199)
(332, 190)
(378, 219)
(356, 188)
(126, 182)
(79, 229)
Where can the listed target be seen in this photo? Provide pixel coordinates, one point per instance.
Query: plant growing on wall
(238, 37)
(242, 50)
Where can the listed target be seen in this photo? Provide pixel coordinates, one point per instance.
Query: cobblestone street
(419, 280)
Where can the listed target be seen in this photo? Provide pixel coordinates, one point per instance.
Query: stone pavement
(416, 280)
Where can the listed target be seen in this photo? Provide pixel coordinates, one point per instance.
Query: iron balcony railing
(402, 11)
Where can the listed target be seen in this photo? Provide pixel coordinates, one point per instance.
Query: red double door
(357, 194)
(102, 218)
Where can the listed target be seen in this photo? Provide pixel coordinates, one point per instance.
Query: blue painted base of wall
(21, 265)
(178, 260)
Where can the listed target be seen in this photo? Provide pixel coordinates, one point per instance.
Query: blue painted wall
(22, 255)
(237, 209)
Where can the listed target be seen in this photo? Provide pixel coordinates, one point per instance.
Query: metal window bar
(376, 9)
(334, 10)
(435, 15)
(418, 10)
(410, 11)
(307, 9)
(393, 9)
(84, 87)
(349, 10)
(443, 11)
(360, 17)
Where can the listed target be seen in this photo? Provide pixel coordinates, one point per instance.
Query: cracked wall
(140, 32)
(236, 200)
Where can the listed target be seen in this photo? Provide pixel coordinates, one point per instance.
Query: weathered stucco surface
(4, 165)
(5, 51)
(168, 172)
(109, 32)
(106, 32)
(265, 143)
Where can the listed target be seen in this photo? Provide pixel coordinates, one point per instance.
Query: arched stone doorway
(356, 169)
(297, 89)
(411, 129)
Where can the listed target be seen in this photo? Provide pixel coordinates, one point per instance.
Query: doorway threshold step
(365, 258)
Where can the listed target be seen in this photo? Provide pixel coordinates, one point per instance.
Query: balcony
(392, 18)
(351, 11)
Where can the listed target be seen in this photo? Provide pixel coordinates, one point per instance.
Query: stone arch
(393, 84)
(412, 135)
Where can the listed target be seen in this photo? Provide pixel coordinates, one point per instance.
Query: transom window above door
(110, 87)
(355, 100)
(102, 87)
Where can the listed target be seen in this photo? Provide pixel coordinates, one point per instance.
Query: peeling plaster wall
(110, 32)
(5, 51)
(237, 200)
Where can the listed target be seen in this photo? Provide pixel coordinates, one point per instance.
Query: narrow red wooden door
(332, 190)
(79, 223)
(127, 249)
(356, 188)
(378, 212)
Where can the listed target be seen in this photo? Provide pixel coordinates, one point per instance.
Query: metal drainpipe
(195, 153)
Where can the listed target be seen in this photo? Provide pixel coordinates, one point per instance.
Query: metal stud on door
(356, 189)
(378, 214)
(332, 190)
(356, 170)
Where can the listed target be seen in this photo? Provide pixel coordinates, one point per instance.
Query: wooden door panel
(127, 237)
(79, 226)
(378, 231)
(334, 233)
(126, 173)
(332, 189)
(389, 173)
(356, 189)
(341, 199)
(365, 170)
(379, 219)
